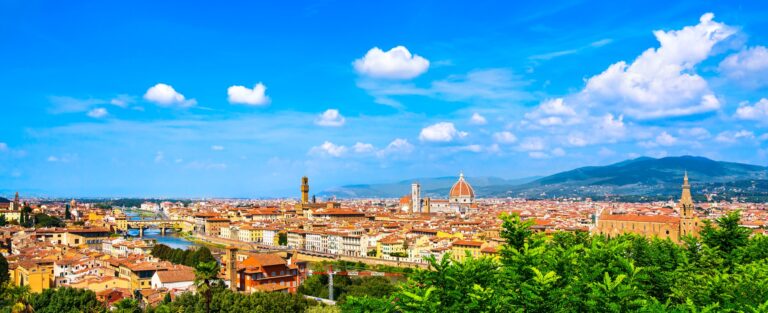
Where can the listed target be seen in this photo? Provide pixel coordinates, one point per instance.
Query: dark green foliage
(344, 286)
(45, 220)
(282, 238)
(3, 220)
(4, 276)
(227, 301)
(188, 257)
(66, 300)
(723, 271)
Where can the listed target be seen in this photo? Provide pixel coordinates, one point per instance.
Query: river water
(171, 238)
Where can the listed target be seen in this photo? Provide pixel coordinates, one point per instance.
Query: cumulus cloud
(665, 139)
(694, 133)
(660, 82)
(477, 119)
(532, 144)
(361, 147)
(328, 148)
(98, 112)
(538, 155)
(397, 63)
(441, 132)
(756, 112)
(249, 96)
(398, 146)
(331, 118)
(217, 148)
(553, 112)
(748, 67)
(734, 136)
(504, 137)
(558, 152)
(165, 95)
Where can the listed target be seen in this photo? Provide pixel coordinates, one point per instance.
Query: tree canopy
(723, 270)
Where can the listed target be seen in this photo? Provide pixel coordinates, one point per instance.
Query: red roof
(461, 189)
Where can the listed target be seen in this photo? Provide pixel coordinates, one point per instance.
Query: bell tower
(688, 222)
(304, 190)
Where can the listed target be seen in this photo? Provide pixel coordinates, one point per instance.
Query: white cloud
(397, 146)
(558, 152)
(328, 148)
(665, 139)
(159, 156)
(757, 112)
(441, 132)
(532, 144)
(660, 82)
(477, 119)
(3, 146)
(397, 63)
(577, 140)
(98, 112)
(52, 159)
(217, 148)
(553, 112)
(165, 95)
(244, 95)
(748, 67)
(538, 155)
(471, 148)
(734, 136)
(361, 147)
(504, 137)
(695, 133)
(122, 100)
(330, 117)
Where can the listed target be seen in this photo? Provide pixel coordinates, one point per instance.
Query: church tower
(16, 205)
(688, 221)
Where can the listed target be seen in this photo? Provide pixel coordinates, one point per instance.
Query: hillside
(642, 176)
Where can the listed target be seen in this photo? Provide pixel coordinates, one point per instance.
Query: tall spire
(685, 206)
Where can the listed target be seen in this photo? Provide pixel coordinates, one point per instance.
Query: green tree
(206, 280)
(282, 238)
(127, 305)
(4, 275)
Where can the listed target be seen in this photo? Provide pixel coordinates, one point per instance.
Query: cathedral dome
(461, 189)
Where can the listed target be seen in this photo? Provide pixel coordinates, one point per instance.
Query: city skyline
(178, 100)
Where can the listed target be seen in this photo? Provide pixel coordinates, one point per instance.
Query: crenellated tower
(304, 190)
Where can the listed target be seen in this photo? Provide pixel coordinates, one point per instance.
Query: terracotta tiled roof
(640, 218)
(174, 276)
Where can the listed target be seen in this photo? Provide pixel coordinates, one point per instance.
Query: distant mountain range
(642, 176)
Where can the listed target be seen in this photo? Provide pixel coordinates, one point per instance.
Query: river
(171, 238)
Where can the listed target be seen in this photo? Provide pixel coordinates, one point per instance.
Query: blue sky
(240, 99)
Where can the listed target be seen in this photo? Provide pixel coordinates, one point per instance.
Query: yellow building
(98, 284)
(664, 227)
(251, 234)
(460, 248)
(87, 237)
(389, 246)
(37, 274)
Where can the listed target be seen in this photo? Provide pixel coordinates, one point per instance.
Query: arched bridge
(161, 224)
